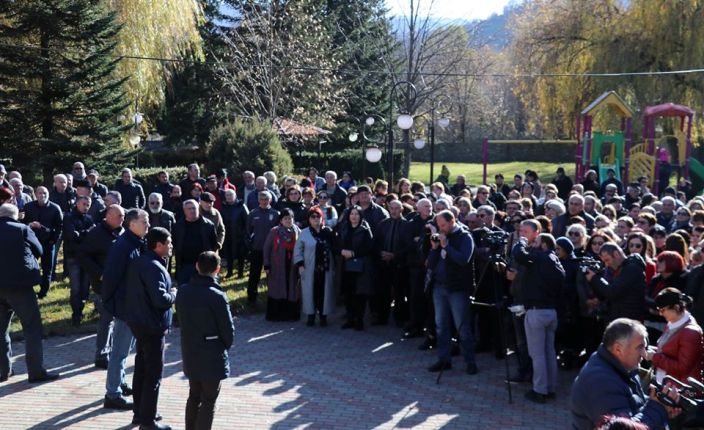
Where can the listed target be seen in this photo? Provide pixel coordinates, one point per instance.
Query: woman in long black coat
(234, 215)
(356, 248)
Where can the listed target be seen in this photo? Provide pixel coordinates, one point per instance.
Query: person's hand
(387, 256)
(672, 394)
(301, 269)
(589, 275)
(173, 290)
(34, 225)
(511, 274)
(346, 253)
(592, 303)
(443, 240)
(650, 352)
(435, 244)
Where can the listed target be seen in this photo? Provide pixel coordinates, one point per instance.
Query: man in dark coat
(563, 183)
(131, 192)
(189, 181)
(18, 264)
(575, 208)
(92, 255)
(192, 235)
(609, 383)
(421, 311)
(77, 223)
(392, 282)
(336, 193)
(98, 188)
(46, 221)
(372, 213)
(97, 205)
(207, 333)
(164, 187)
(259, 222)
(158, 216)
(126, 249)
(624, 290)
(234, 215)
(62, 194)
(149, 300)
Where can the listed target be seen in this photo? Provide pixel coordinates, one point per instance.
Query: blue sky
(452, 9)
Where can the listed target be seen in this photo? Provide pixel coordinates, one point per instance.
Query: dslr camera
(589, 263)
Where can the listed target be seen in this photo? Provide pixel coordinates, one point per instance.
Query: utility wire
(384, 72)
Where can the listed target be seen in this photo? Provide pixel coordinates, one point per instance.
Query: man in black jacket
(234, 214)
(207, 333)
(97, 205)
(259, 222)
(421, 311)
(192, 235)
(335, 191)
(131, 192)
(46, 221)
(18, 264)
(624, 290)
(542, 283)
(164, 187)
(449, 263)
(189, 181)
(575, 208)
(149, 300)
(92, 255)
(158, 216)
(77, 223)
(98, 188)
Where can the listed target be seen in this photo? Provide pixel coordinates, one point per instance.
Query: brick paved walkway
(287, 376)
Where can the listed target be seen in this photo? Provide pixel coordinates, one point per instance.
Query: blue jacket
(18, 255)
(49, 216)
(605, 387)
(149, 298)
(123, 251)
(253, 200)
(207, 331)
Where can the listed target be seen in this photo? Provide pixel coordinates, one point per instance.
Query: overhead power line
(386, 72)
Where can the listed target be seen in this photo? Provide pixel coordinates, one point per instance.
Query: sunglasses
(323, 197)
(597, 243)
(574, 233)
(682, 214)
(635, 245)
(314, 216)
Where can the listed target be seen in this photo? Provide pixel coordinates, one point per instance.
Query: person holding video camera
(542, 285)
(624, 289)
(609, 384)
(449, 263)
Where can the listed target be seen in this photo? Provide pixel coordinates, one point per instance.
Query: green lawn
(56, 310)
(473, 171)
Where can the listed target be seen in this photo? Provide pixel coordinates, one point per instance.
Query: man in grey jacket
(259, 222)
(207, 333)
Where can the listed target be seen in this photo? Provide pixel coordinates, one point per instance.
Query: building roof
(612, 100)
(668, 109)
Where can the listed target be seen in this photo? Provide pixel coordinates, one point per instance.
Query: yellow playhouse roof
(612, 100)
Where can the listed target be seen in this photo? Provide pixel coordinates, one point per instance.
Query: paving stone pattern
(289, 376)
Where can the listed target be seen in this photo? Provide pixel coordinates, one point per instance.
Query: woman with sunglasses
(314, 257)
(682, 220)
(671, 273)
(465, 207)
(329, 212)
(595, 242)
(294, 203)
(577, 234)
(639, 243)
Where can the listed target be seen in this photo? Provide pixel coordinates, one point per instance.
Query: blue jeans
(541, 325)
(80, 286)
(122, 343)
(455, 303)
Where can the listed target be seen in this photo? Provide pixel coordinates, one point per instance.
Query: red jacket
(681, 357)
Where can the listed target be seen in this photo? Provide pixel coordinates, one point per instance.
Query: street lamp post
(404, 122)
(370, 148)
(436, 106)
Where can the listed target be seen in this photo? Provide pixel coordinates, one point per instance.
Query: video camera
(688, 393)
(494, 239)
(589, 263)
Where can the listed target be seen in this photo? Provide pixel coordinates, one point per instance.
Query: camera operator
(449, 261)
(487, 285)
(624, 290)
(543, 281)
(609, 383)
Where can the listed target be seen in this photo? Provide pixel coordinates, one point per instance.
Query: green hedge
(348, 160)
(147, 176)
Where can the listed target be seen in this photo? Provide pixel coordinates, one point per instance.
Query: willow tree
(155, 29)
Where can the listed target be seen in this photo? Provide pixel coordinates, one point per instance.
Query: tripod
(495, 259)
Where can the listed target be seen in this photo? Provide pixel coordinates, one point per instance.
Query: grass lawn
(473, 171)
(56, 310)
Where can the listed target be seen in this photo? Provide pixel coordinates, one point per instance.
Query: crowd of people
(559, 273)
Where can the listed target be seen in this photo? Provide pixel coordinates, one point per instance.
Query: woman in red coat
(680, 347)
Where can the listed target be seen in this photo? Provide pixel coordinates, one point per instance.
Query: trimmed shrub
(349, 160)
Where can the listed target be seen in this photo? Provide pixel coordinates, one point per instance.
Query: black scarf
(323, 240)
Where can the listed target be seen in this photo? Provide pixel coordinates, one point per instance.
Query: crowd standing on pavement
(547, 275)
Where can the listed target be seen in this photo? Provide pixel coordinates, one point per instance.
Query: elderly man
(158, 216)
(666, 217)
(92, 256)
(575, 208)
(98, 188)
(78, 171)
(190, 181)
(21, 198)
(234, 216)
(62, 194)
(3, 180)
(18, 264)
(46, 221)
(124, 250)
(609, 384)
(77, 223)
(192, 235)
(271, 184)
(131, 192)
(420, 308)
(207, 209)
(259, 222)
(247, 187)
(260, 184)
(336, 193)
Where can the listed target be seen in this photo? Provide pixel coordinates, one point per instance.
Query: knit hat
(565, 244)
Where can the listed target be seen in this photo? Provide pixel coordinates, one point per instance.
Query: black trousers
(355, 304)
(23, 302)
(148, 367)
(319, 292)
(392, 284)
(200, 407)
(256, 261)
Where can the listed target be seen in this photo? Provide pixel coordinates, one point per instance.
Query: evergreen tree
(61, 102)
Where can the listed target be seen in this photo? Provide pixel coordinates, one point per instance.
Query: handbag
(354, 265)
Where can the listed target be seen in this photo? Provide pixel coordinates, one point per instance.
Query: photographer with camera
(609, 383)
(624, 289)
(449, 263)
(543, 282)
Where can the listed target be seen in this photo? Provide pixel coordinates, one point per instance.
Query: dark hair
(499, 175)
(284, 213)
(157, 235)
(132, 215)
(545, 222)
(446, 214)
(548, 240)
(534, 224)
(208, 262)
(673, 298)
(359, 211)
(675, 242)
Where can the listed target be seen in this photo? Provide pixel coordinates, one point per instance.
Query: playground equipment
(601, 151)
